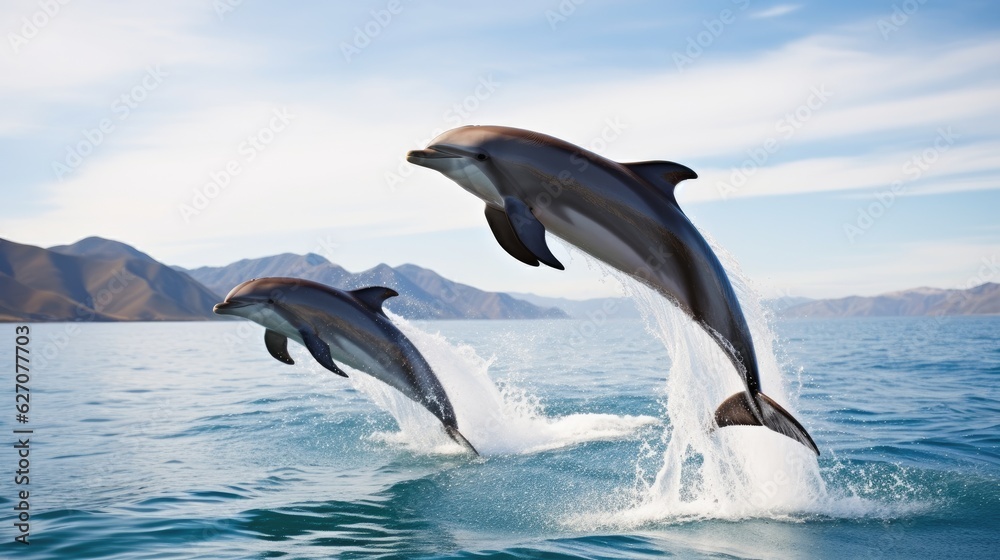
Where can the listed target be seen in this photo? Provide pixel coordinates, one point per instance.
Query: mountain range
(99, 279)
(423, 293)
(96, 280)
(980, 300)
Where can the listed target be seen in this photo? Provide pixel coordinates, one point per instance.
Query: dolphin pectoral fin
(736, 411)
(277, 346)
(454, 434)
(664, 175)
(374, 297)
(507, 237)
(321, 352)
(530, 232)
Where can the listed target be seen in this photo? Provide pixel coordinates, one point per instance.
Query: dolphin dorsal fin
(373, 297)
(664, 175)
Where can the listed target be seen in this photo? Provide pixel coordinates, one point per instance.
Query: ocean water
(187, 440)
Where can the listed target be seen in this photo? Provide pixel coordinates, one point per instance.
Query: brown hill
(980, 300)
(45, 285)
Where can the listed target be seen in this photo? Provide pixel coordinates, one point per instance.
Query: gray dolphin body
(624, 214)
(347, 326)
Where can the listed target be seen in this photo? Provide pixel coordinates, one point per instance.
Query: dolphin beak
(229, 307)
(423, 157)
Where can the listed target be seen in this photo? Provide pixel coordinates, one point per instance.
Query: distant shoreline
(778, 318)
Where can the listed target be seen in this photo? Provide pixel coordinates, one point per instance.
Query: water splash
(498, 419)
(733, 473)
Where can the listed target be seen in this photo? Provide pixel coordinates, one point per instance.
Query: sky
(842, 148)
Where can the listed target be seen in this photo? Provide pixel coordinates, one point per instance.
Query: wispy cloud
(942, 172)
(319, 172)
(776, 11)
(89, 46)
(842, 109)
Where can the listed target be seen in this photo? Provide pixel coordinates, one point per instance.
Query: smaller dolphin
(348, 326)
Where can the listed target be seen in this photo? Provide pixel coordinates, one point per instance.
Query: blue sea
(187, 440)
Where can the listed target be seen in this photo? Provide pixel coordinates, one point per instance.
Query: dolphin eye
(482, 157)
(270, 301)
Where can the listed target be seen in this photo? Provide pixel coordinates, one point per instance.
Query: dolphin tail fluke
(454, 434)
(738, 411)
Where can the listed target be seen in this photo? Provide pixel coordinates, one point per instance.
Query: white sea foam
(497, 419)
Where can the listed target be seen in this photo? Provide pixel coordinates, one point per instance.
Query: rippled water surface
(189, 441)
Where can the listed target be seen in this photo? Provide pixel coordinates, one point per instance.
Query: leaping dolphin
(347, 326)
(624, 214)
